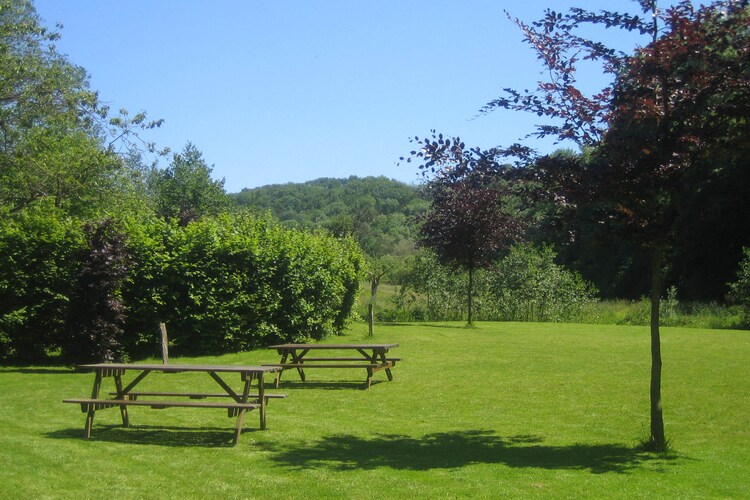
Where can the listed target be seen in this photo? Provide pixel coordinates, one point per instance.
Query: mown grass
(502, 410)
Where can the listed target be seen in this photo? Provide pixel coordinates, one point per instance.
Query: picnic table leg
(278, 373)
(241, 413)
(385, 363)
(240, 425)
(92, 407)
(297, 360)
(263, 401)
(123, 408)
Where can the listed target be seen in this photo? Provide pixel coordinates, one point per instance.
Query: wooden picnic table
(372, 357)
(239, 402)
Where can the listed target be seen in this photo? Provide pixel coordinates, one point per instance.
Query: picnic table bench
(238, 404)
(372, 357)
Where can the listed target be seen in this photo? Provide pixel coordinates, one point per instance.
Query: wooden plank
(307, 358)
(177, 368)
(333, 346)
(196, 395)
(164, 343)
(328, 365)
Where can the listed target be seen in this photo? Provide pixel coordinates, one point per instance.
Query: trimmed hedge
(222, 284)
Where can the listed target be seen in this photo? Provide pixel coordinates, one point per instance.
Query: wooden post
(164, 343)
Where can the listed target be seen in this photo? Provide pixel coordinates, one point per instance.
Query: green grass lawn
(503, 410)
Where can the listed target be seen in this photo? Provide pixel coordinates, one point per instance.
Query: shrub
(739, 291)
(238, 282)
(38, 247)
(222, 284)
(527, 285)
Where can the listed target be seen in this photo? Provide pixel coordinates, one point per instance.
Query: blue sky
(293, 90)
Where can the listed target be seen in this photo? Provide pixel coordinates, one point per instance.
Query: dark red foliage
(468, 226)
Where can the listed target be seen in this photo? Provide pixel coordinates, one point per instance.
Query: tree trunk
(470, 321)
(657, 440)
(374, 282)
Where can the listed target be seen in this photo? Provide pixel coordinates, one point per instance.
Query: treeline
(381, 215)
(378, 212)
(98, 244)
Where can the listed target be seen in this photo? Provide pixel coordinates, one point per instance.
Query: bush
(238, 282)
(739, 291)
(222, 284)
(526, 285)
(95, 326)
(38, 249)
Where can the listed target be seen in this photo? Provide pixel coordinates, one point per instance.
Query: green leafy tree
(57, 140)
(185, 191)
(740, 289)
(39, 249)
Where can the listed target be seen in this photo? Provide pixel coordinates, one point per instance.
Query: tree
(679, 98)
(740, 289)
(185, 191)
(97, 311)
(674, 102)
(469, 221)
(57, 140)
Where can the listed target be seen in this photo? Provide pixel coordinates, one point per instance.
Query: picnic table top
(179, 367)
(333, 346)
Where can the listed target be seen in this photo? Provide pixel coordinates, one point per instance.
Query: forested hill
(378, 211)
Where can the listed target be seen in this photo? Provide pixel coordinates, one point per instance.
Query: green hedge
(37, 268)
(221, 284)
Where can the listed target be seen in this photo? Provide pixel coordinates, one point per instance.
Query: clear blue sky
(289, 91)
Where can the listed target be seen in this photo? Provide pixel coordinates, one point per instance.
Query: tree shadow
(54, 371)
(448, 450)
(207, 437)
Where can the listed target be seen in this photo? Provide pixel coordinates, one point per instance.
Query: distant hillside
(377, 211)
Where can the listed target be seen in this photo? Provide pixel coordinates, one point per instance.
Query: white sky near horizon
(289, 91)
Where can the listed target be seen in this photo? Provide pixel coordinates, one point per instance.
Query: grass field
(503, 410)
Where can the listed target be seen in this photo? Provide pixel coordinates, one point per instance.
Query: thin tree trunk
(657, 440)
(471, 296)
(374, 282)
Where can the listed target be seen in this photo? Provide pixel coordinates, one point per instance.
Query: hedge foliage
(221, 284)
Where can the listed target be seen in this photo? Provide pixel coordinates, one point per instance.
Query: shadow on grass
(331, 386)
(63, 371)
(456, 326)
(448, 450)
(207, 437)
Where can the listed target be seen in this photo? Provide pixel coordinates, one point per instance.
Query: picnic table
(372, 357)
(237, 403)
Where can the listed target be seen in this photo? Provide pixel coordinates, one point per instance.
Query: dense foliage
(525, 285)
(740, 289)
(378, 212)
(185, 191)
(221, 284)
